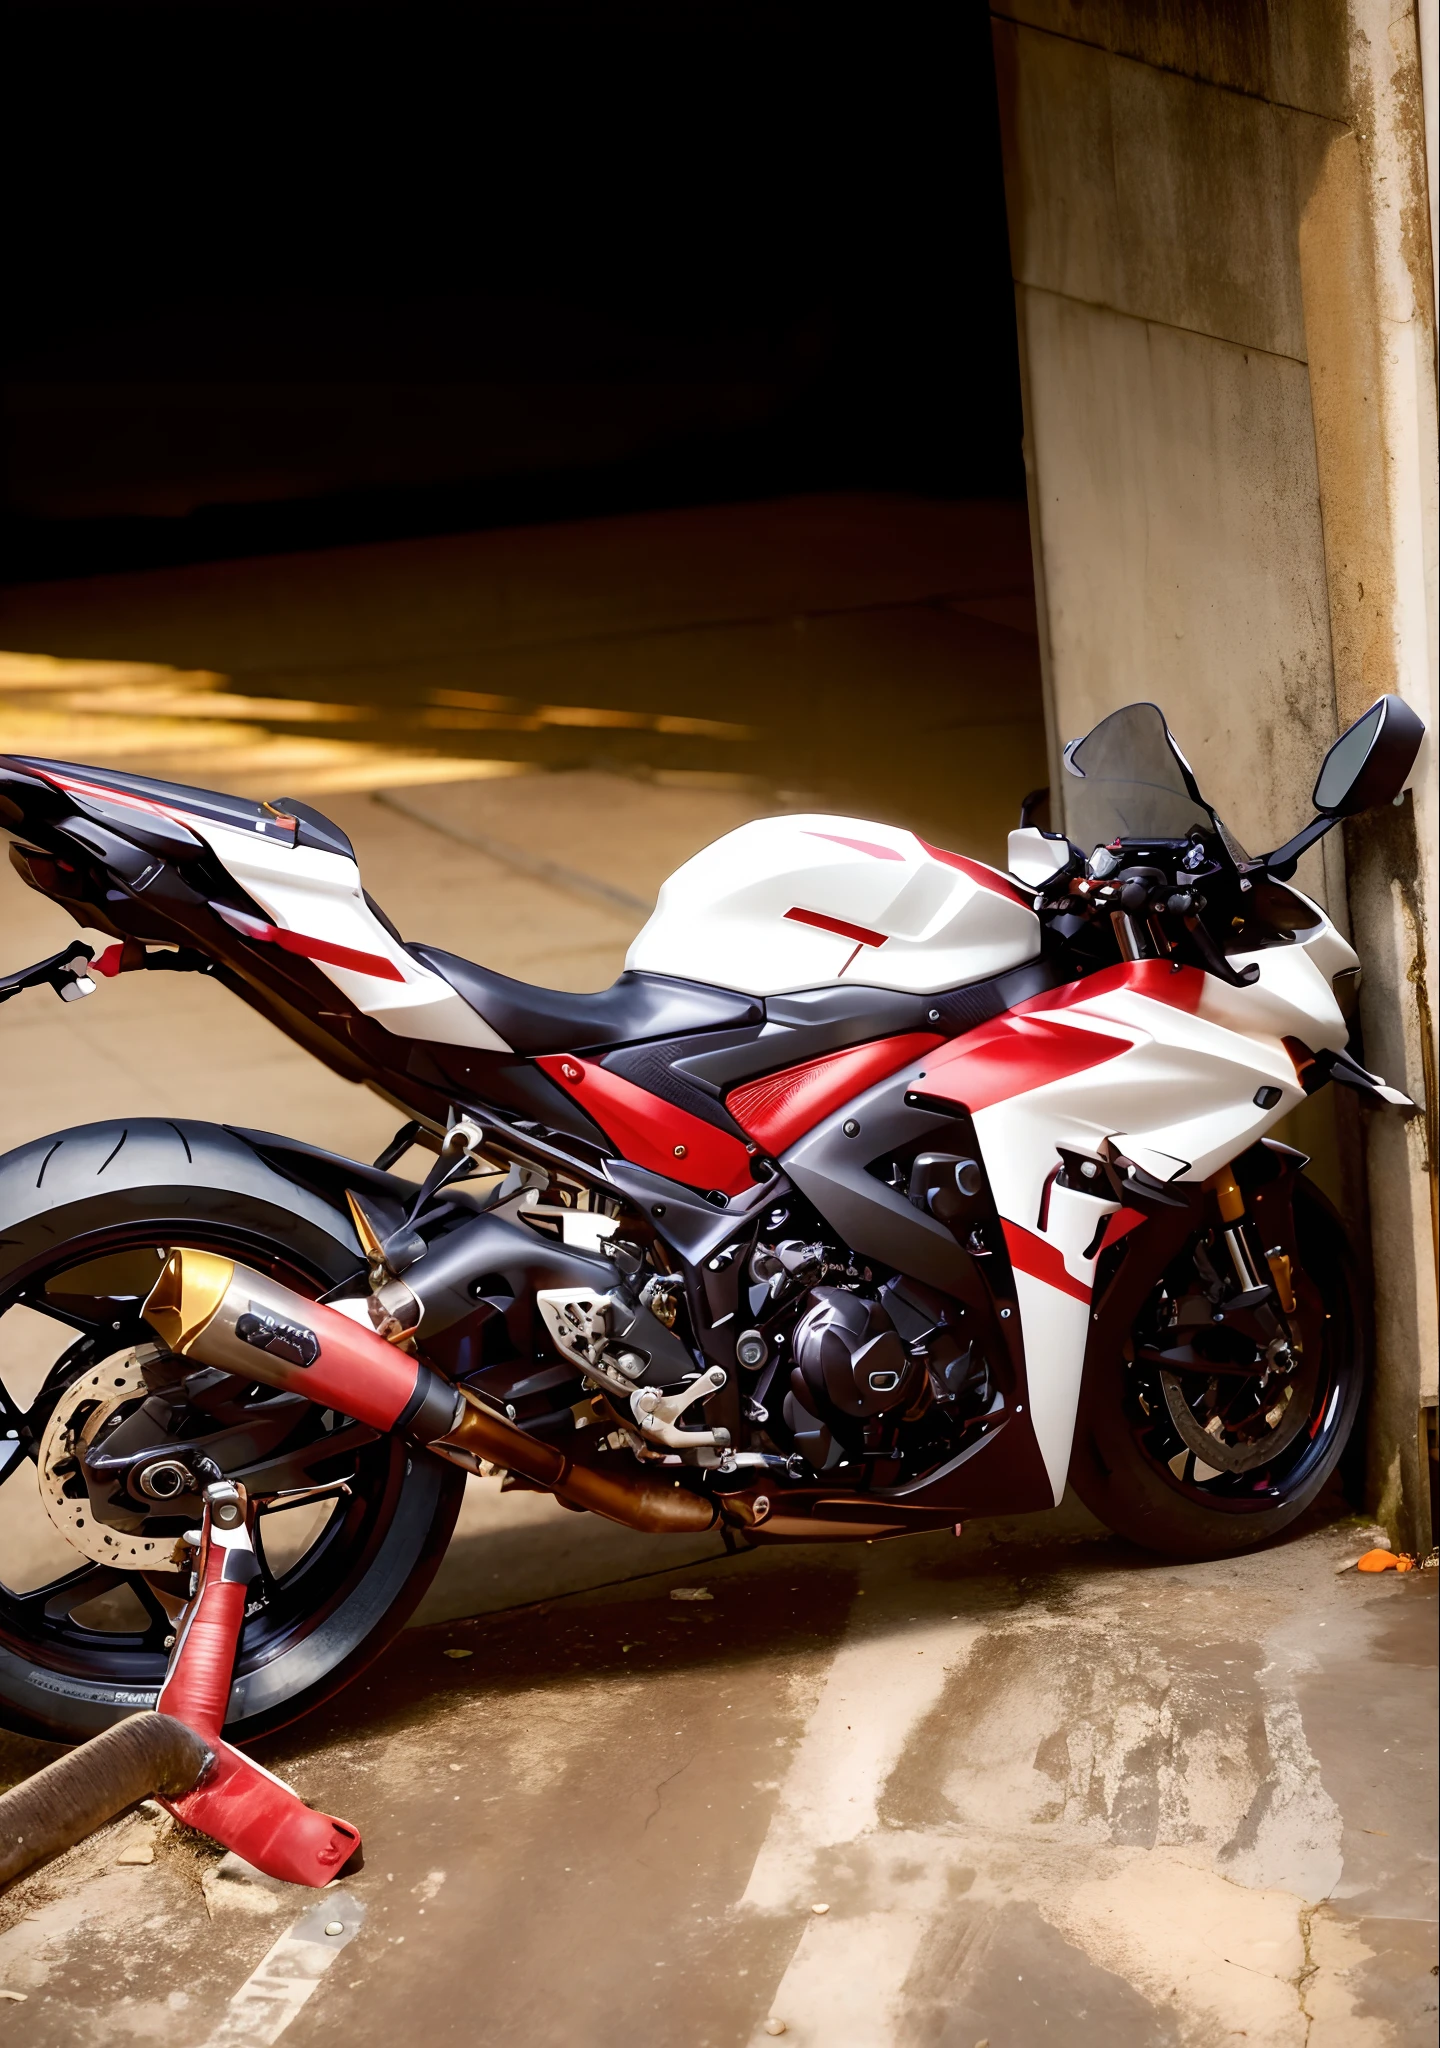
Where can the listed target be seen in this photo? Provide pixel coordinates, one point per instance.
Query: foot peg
(239, 1804)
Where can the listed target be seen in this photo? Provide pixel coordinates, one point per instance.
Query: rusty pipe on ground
(141, 1756)
(207, 1308)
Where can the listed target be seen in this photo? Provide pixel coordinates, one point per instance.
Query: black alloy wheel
(350, 1525)
(1221, 1453)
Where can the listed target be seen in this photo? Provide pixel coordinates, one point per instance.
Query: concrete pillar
(1221, 247)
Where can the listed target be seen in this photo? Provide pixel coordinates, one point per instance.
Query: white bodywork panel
(1178, 1098)
(318, 896)
(893, 912)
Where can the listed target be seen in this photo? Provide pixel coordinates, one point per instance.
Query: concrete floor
(1046, 1788)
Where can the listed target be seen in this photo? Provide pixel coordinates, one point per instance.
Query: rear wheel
(351, 1525)
(1200, 1441)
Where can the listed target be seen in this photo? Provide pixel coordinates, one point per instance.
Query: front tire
(115, 1193)
(1137, 1470)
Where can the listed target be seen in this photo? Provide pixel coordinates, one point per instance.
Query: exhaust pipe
(220, 1314)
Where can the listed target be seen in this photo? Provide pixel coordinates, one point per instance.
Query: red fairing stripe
(858, 934)
(652, 1133)
(1180, 988)
(858, 845)
(780, 1108)
(373, 964)
(1019, 1051)
(1032, 1255)
(987, 878)
(1120, 1225)
(1012, 1056)
(116, 796)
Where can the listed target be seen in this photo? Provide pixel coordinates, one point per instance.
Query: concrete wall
(1221, 248)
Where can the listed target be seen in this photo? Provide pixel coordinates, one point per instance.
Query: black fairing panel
(637, 1006)
(662, 1068)
(314, 828)
(853, 1014)
(1002, 1472)
(830, 1169)
(478, 1078)
(814, 1021)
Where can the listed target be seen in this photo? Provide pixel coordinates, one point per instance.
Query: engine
(860, 1365)
(836, 1361)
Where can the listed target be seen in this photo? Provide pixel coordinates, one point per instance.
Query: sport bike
(882, 1190)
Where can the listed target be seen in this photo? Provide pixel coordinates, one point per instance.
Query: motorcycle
(882, 1190)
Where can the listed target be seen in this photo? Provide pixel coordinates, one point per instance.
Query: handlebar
(1156, 886)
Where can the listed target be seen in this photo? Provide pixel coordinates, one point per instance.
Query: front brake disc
(1239, 1454)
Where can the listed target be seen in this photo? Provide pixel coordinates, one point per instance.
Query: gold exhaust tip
(186, 1296)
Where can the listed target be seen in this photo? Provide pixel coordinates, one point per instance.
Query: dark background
(285, 277)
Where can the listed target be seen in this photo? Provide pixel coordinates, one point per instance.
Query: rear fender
(83, 1185)
(329, 1175)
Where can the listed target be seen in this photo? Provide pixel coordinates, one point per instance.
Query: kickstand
(242, 1806)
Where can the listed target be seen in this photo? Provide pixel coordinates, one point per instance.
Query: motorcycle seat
(637, 1006)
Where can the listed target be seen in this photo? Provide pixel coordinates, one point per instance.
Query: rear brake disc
(93, 1399)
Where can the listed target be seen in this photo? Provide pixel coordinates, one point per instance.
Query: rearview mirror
(1368, 764)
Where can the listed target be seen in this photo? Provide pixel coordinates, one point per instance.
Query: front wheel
(351, 1525)
(1195, 1438)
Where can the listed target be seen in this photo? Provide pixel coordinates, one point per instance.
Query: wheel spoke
(290, 1470)
(267, 1581)
(58, 1600)
(161, 1620)
(304, 1497)
(88, 1326)
(13, 1454)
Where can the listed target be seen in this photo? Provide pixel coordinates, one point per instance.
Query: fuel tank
(792, 903)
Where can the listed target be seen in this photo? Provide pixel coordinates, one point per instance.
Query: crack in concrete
(660, 1788)
(1307, 1971)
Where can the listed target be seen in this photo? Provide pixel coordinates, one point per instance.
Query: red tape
(239, 1804)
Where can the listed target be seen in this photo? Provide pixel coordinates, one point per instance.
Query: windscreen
(1130, 781)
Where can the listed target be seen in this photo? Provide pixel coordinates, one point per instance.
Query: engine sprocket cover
(850, 1357)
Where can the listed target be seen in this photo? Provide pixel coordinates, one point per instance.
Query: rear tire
(1119, 1466)
(115, 1187)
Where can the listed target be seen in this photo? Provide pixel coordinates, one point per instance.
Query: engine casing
(849, 1359)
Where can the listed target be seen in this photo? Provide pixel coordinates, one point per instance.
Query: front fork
(1238, 1231)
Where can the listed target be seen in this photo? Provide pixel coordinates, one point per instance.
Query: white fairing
(318, 896)
(792, 903)
(1179, 1100)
